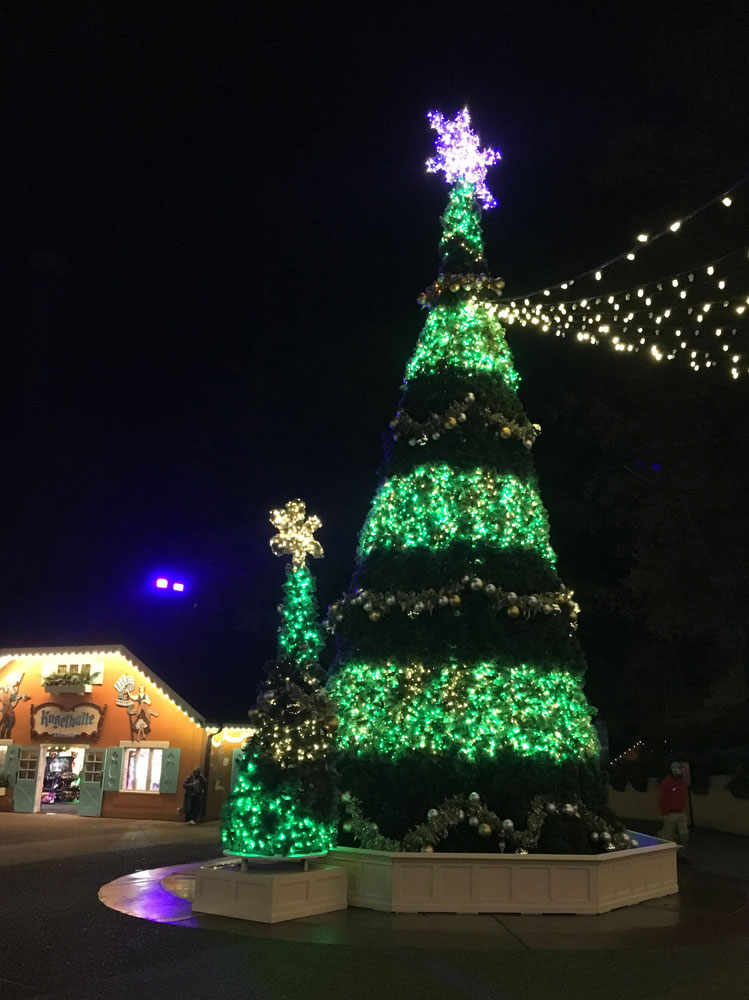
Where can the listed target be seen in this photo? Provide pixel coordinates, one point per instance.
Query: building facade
(94, 731)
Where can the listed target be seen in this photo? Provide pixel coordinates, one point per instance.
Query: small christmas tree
(459, 674)
(285, 799)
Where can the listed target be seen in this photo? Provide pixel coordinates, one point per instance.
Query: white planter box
(507, 883)
(269, 893)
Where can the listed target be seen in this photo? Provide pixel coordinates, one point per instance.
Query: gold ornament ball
(455, 600)
(427, 849)
(513, 611)
(505, 432)
(484, 830)
(374, 616)
(331, 724)
(450, 423)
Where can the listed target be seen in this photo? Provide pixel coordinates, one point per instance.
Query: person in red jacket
(673, 798)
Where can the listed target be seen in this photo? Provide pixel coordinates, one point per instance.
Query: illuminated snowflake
(458, 154)
(295, 533)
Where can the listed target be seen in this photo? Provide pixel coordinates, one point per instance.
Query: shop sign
(50, 719)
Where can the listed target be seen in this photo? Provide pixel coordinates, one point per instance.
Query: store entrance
(61, 781)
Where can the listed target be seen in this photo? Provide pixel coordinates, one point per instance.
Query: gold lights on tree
(295, 533)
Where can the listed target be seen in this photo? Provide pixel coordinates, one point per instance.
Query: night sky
(216, 223)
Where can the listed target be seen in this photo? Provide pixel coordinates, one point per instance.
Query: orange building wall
(172, 725)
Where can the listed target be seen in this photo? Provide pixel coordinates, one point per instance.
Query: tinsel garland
(364, 830)
(418, 432)
(447, 285)
(414, 603)
(470, 809)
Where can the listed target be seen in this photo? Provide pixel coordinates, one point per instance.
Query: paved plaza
(58, 940)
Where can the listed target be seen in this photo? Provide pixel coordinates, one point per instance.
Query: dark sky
(216, 222)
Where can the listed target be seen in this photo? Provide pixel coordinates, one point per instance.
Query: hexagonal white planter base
(508, 883)
(269, 893)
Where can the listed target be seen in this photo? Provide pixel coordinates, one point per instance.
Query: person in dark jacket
(673, 799)
(195, 787)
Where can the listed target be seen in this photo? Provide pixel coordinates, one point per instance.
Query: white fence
(718, 810)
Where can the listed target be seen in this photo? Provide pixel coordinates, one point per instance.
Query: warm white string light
(695, 314)
(726, 198)
(639, 743)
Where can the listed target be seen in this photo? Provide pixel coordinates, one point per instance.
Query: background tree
(665, 499)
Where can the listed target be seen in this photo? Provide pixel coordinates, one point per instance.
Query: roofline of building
(75, 650)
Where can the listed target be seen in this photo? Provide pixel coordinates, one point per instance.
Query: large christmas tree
(285, 799)
(459, 674)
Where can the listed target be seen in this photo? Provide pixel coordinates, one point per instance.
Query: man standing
(195, 787)
(673, 797)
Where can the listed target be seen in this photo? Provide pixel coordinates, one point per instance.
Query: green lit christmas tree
(459, 674)
(285, 800)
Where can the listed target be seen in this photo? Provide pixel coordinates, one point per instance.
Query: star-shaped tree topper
(458, 154)
(295, 531)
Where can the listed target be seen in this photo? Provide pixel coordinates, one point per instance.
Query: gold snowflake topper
(295, 531)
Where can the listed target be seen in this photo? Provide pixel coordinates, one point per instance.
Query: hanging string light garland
(726, 199)
(698, 314)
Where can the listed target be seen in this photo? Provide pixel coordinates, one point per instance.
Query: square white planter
(507, 883)
(269, 893)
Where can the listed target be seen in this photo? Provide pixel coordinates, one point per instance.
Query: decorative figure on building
(138, 706)
(9, 698)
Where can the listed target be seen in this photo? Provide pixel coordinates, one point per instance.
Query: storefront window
(142, 770)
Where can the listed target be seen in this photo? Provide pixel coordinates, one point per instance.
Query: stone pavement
(58, 942)
(36, 837)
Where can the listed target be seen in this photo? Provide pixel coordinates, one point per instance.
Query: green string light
(434, 506)
(259, 822)
(461, 225)
(464, 335)
(473, 710)
(300, 635)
